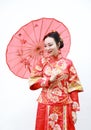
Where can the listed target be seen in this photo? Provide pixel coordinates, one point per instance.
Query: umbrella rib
(26, 52)
(49, 26)
(22, 39)
(65, 37)
(58, 26)
(23, 75)
(19, 40)
(41, 30)
(15, 46)
(19, 68)
(14, 65)
(63, 31)
(17, 72)
(34, 31)
(12, 59)
(28, 35)
(25, 72)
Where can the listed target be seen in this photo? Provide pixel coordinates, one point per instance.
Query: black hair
(55, 35)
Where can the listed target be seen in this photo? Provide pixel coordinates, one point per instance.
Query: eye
(49, 44)
(45, 46)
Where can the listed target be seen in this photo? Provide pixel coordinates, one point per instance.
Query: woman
(56, 75)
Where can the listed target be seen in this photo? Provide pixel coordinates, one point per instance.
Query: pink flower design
(53, 117)
(57, 127)
(57, 91)
(51, 123)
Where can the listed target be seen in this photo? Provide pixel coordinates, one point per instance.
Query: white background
(18, 104)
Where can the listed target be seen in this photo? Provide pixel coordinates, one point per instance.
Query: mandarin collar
(55, 58)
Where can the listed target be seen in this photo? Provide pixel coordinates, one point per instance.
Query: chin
(50, 54)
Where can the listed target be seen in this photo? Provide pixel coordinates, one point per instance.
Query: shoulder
(68, 61)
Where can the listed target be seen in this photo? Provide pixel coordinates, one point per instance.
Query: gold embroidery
(64, 118)
(56, 109)
(33, 80)
(39, 68)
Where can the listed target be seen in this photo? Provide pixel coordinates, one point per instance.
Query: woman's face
(50, 46)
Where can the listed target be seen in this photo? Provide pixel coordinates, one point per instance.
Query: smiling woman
(50, 39)
(57, 76)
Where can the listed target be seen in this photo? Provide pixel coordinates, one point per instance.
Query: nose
(47, 48)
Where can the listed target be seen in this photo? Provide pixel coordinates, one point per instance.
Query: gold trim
(33, 80)
(64, 118)
(79, 88)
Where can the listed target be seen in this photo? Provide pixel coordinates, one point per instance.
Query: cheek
(55, 48)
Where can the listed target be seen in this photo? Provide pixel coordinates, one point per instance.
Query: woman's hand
(74, 116)
(54, 74)
(52, 78)
(75, 106)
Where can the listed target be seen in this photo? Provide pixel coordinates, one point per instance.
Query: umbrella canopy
(26, 45)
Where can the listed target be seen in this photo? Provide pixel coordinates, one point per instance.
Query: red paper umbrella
(26, 46)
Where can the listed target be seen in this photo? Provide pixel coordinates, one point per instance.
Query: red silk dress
(55, 102)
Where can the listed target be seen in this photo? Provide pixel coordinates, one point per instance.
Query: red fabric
(38, 84)
(70, 123)
(74, 96)
(43, 117)
(40, 120)
(64, 85)
(75, 99)
(35, 86)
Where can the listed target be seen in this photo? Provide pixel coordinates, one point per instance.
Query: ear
(58, 45)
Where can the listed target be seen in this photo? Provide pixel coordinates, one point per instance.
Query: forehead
(49, 40)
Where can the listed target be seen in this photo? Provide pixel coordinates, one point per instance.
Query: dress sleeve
(74, 82)
(74, 87)
(36, 79)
